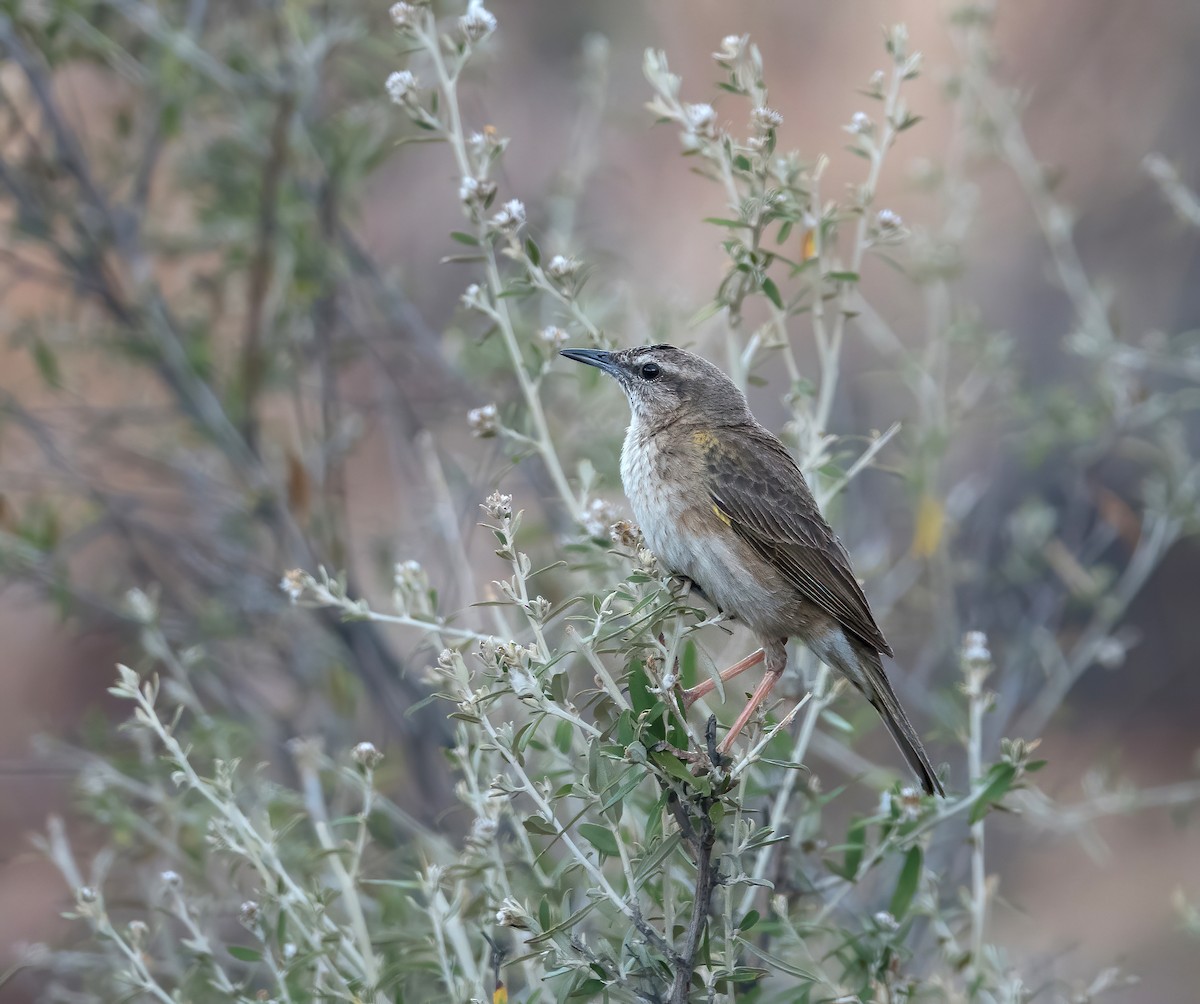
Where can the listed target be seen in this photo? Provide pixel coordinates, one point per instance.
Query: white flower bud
(294, 583)
(498, 506)
(141, 607)
(512, 914)
(598, 517)
(483, 421)
(475, 191)
(699, 118)
(860, 124)
(561, 267)
(975, 648)
(764, 119)
(625, 533)
(402, 14)
(511, 217)
(732, 47)
(366, 755)
(400, 85)
(552, 338)
(477, 23)
(885, 921)
(889, 220)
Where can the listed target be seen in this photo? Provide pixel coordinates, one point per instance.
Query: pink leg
(765, 686)
(690, 697)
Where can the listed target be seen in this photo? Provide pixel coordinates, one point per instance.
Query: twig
(706, 881)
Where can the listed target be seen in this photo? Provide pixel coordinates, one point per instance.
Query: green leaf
(535, 824)
(720, 221)
(588, 988)
(631, 780)
(705, 312)
(832, 718)
(531, 249)
(856, 838)
(245, 953)
(625, 730)
(601, 838)
(749, 921)
(907, 883)
(842, 276)
(458, 235)
(563, 733)
(776, 962)
(687, 664)
(46, 361)
(678, 769)
(741, 162)
(564, 925)
(772, 292)
(594, 766)
(1000, 780)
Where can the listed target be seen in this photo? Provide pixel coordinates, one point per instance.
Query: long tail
(883, 698)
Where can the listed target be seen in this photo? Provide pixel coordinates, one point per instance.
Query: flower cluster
(510, 219)
(763, 119)
(477, 23)
(293, 583)
(598, 517)
(860, 124)
(366, 755)
(561, 268)
(401, 87)
(498, 506)
(476, 192)
(626, 534)
(732, 49)
(484, 421)
(552, 338)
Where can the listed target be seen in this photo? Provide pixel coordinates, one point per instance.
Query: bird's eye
(650, 371)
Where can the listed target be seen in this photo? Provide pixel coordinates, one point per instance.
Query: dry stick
(262, 268)
(706, 880)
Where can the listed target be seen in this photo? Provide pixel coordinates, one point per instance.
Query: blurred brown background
(1106, 83)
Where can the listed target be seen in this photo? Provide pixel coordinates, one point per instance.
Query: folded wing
(760, 491)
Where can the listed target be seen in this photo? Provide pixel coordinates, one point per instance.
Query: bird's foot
(764, 688)
(704, 687)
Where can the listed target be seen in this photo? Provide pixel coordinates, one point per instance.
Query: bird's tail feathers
(883, 698)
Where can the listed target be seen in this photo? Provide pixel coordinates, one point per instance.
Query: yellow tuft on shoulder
(702, 438)
(721, 516)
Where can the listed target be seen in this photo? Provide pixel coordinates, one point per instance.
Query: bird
(721, 502)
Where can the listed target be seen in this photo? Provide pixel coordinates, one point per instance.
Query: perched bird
(721, 501)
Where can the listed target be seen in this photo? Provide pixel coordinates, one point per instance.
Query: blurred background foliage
(234, 347)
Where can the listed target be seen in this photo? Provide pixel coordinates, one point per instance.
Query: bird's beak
(593, 357)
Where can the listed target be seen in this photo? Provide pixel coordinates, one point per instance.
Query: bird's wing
(759, 491)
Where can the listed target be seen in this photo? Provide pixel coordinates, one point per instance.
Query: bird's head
(665, 384)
